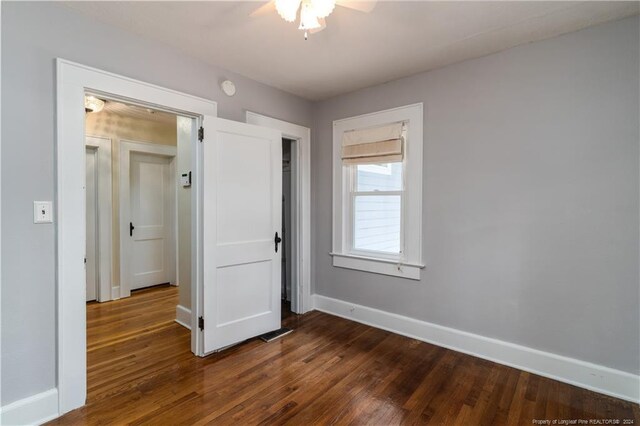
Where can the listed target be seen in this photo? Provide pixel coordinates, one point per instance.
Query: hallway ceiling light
(93, 104)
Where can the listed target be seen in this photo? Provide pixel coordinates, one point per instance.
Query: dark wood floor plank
(328, 371)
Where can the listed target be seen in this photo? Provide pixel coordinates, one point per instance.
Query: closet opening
(289, 285)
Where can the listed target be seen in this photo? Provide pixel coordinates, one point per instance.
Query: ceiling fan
(312, 12)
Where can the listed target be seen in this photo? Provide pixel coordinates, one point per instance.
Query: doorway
(289, 285)
(73, 80)
(140, 251)
(297, 146)
(137, 247)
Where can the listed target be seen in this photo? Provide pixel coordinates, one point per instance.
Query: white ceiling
(356, 50)
(139, 113)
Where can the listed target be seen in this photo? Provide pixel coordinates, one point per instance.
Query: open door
(242, 193)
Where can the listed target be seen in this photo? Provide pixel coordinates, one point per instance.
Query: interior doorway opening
(132, 197)
(73, 81)
(298, 140)
(138, 229)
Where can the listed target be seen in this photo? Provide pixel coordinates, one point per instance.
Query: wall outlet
(42, 212)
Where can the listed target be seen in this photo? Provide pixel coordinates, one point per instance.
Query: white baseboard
(115, 293)
(183, 316)
(584, 374)
(34, 410)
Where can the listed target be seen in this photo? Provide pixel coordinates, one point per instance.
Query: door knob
(277, 240)
(131, 228)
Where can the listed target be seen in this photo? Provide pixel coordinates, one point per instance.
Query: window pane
(379, 177)
(377, 223)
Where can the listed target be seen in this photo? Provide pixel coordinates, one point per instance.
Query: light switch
(42, 212)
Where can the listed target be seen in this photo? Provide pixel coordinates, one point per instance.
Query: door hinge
(201, 323)
(201, 134)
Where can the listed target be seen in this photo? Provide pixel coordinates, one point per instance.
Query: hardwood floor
(329, 370)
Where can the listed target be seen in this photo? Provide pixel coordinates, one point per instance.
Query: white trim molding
(377, 265)
(302, 178)
(73, 81)
(104, 171)
(597, 378)
(183, 316)
(407, 263)
(34, 410)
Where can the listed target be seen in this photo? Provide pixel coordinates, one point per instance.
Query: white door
(152, 201)
(91, 252)
(242, 190)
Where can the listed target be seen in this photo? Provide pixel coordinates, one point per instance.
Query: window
(376, 203)
(377, 192)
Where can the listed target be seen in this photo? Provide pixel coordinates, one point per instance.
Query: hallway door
(151, 205)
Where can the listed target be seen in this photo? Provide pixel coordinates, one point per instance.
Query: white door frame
(127, 147)
(302, 244)
(104, 216)
(72, 82)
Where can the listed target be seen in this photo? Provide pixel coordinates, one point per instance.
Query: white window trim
(410, 263)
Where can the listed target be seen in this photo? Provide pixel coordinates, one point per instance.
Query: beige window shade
(381, 144)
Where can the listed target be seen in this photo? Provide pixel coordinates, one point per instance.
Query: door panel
(246, 282)
(242, 189)
(151, 218)
(242, 161)
(92, 222)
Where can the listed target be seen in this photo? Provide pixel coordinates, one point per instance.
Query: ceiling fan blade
(265, 9)
(323, 25)
(360, 6)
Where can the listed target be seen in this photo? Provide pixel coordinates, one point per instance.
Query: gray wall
(33, 34)
(530, 196)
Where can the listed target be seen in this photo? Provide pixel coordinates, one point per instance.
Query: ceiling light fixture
(93, 104)
(311, 12)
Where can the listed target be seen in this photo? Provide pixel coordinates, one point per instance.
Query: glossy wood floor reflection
(329, 370)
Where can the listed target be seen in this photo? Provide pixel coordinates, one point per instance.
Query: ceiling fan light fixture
(308, 17)
(288, 9)
(323, 8)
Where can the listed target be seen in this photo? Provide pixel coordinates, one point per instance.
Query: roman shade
(382, 144)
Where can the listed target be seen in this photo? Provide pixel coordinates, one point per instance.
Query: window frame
(409, 262)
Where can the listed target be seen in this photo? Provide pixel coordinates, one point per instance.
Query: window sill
(377, 265)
